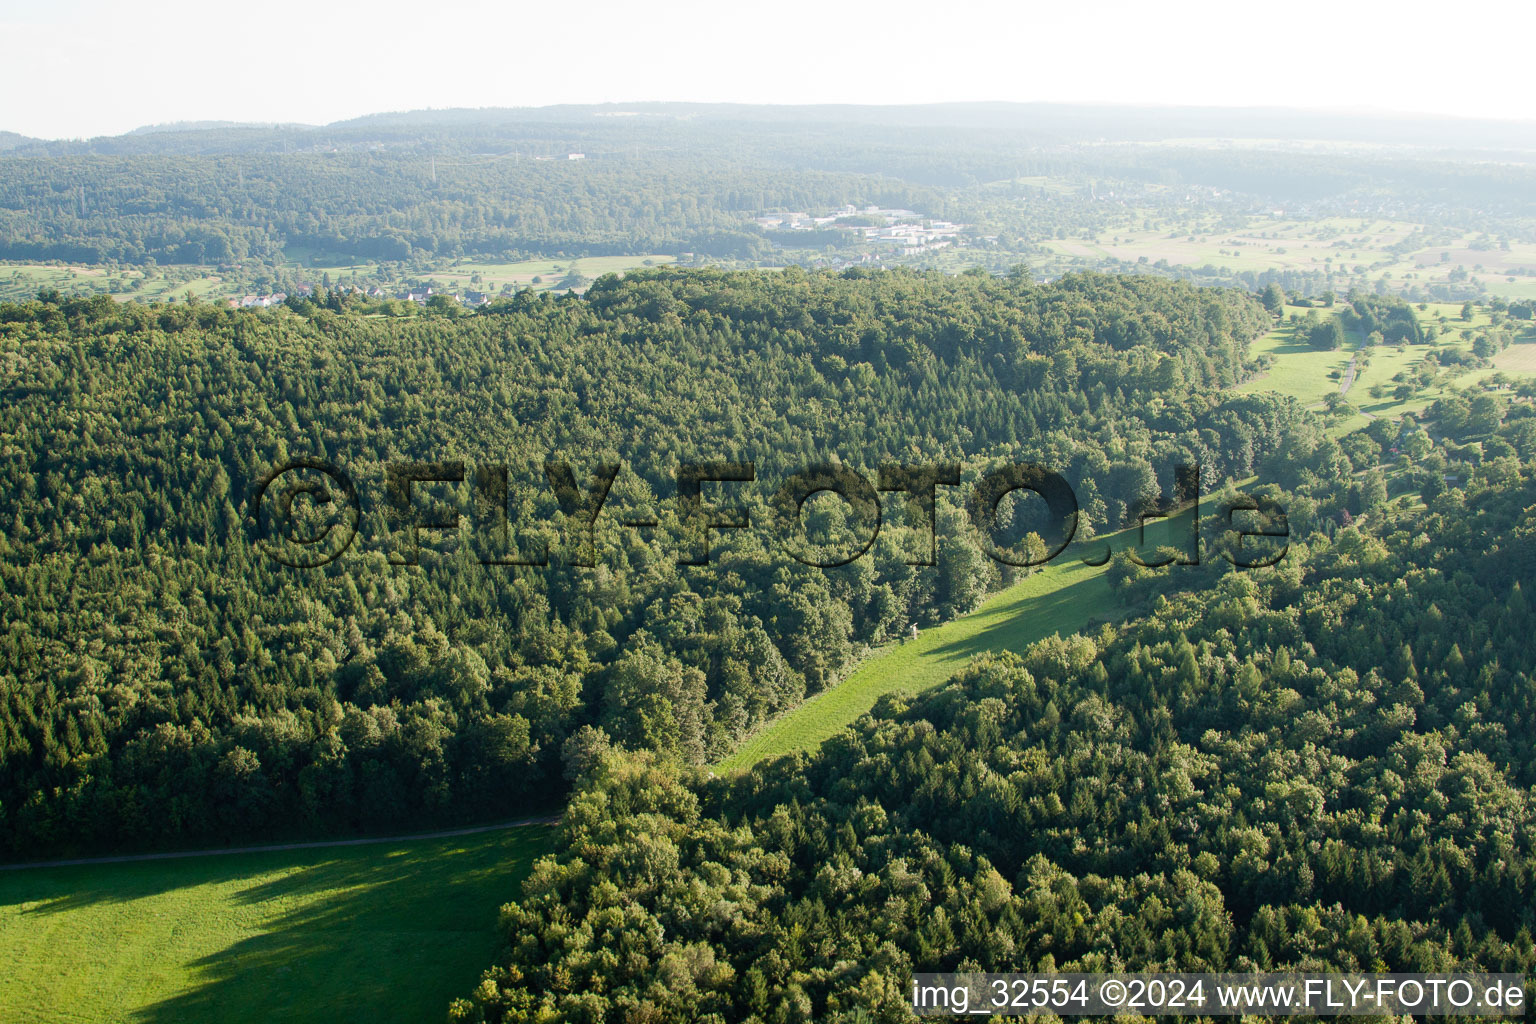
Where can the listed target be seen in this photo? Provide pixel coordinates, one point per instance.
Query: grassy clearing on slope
(1305, 373)
(367, 934)
(1310, 375)
(1299, 370)
(1065, 597)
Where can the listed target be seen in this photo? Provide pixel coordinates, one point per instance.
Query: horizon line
(1368, 112)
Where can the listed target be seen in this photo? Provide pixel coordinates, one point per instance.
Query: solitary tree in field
(1273, 299)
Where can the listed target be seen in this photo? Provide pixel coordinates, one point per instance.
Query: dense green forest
(674, 179)
(165, 682)
(1324, 765)
(222, 210)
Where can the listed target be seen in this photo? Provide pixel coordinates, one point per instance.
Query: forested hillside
(1326, 765)
(223, 209)
(162, 681)
(485, 184)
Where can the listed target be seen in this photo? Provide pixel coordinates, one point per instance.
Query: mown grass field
(367, 934)
(1065, 597)
(1520, 357)
(1298, 370)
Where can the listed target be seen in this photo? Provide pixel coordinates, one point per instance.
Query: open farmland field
(317, 263)
(22, 281)
(1263, 244)
(1398, 251)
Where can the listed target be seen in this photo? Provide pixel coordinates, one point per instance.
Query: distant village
(904, 232)
(900, 233)
(417, 295)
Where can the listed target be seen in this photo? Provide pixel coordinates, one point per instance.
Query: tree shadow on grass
(48, 891)
(370, 934)
(1034, 618)
(392, 936)
(1076, 607)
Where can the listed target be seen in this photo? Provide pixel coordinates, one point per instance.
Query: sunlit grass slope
(1065, 597)
(370, 934)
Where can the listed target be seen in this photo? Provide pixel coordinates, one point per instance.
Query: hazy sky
(88, 67)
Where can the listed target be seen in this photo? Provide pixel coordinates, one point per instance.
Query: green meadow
(1298, 369)
(365, 934)
(484, 275)
(549, 272)
(1065, 597)
(1309, 375)
(21, 281)
(1352, 247)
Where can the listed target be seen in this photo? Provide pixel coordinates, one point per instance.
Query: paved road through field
(1349, 375)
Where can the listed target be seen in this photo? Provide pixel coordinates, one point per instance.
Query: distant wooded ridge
(1045, 122)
